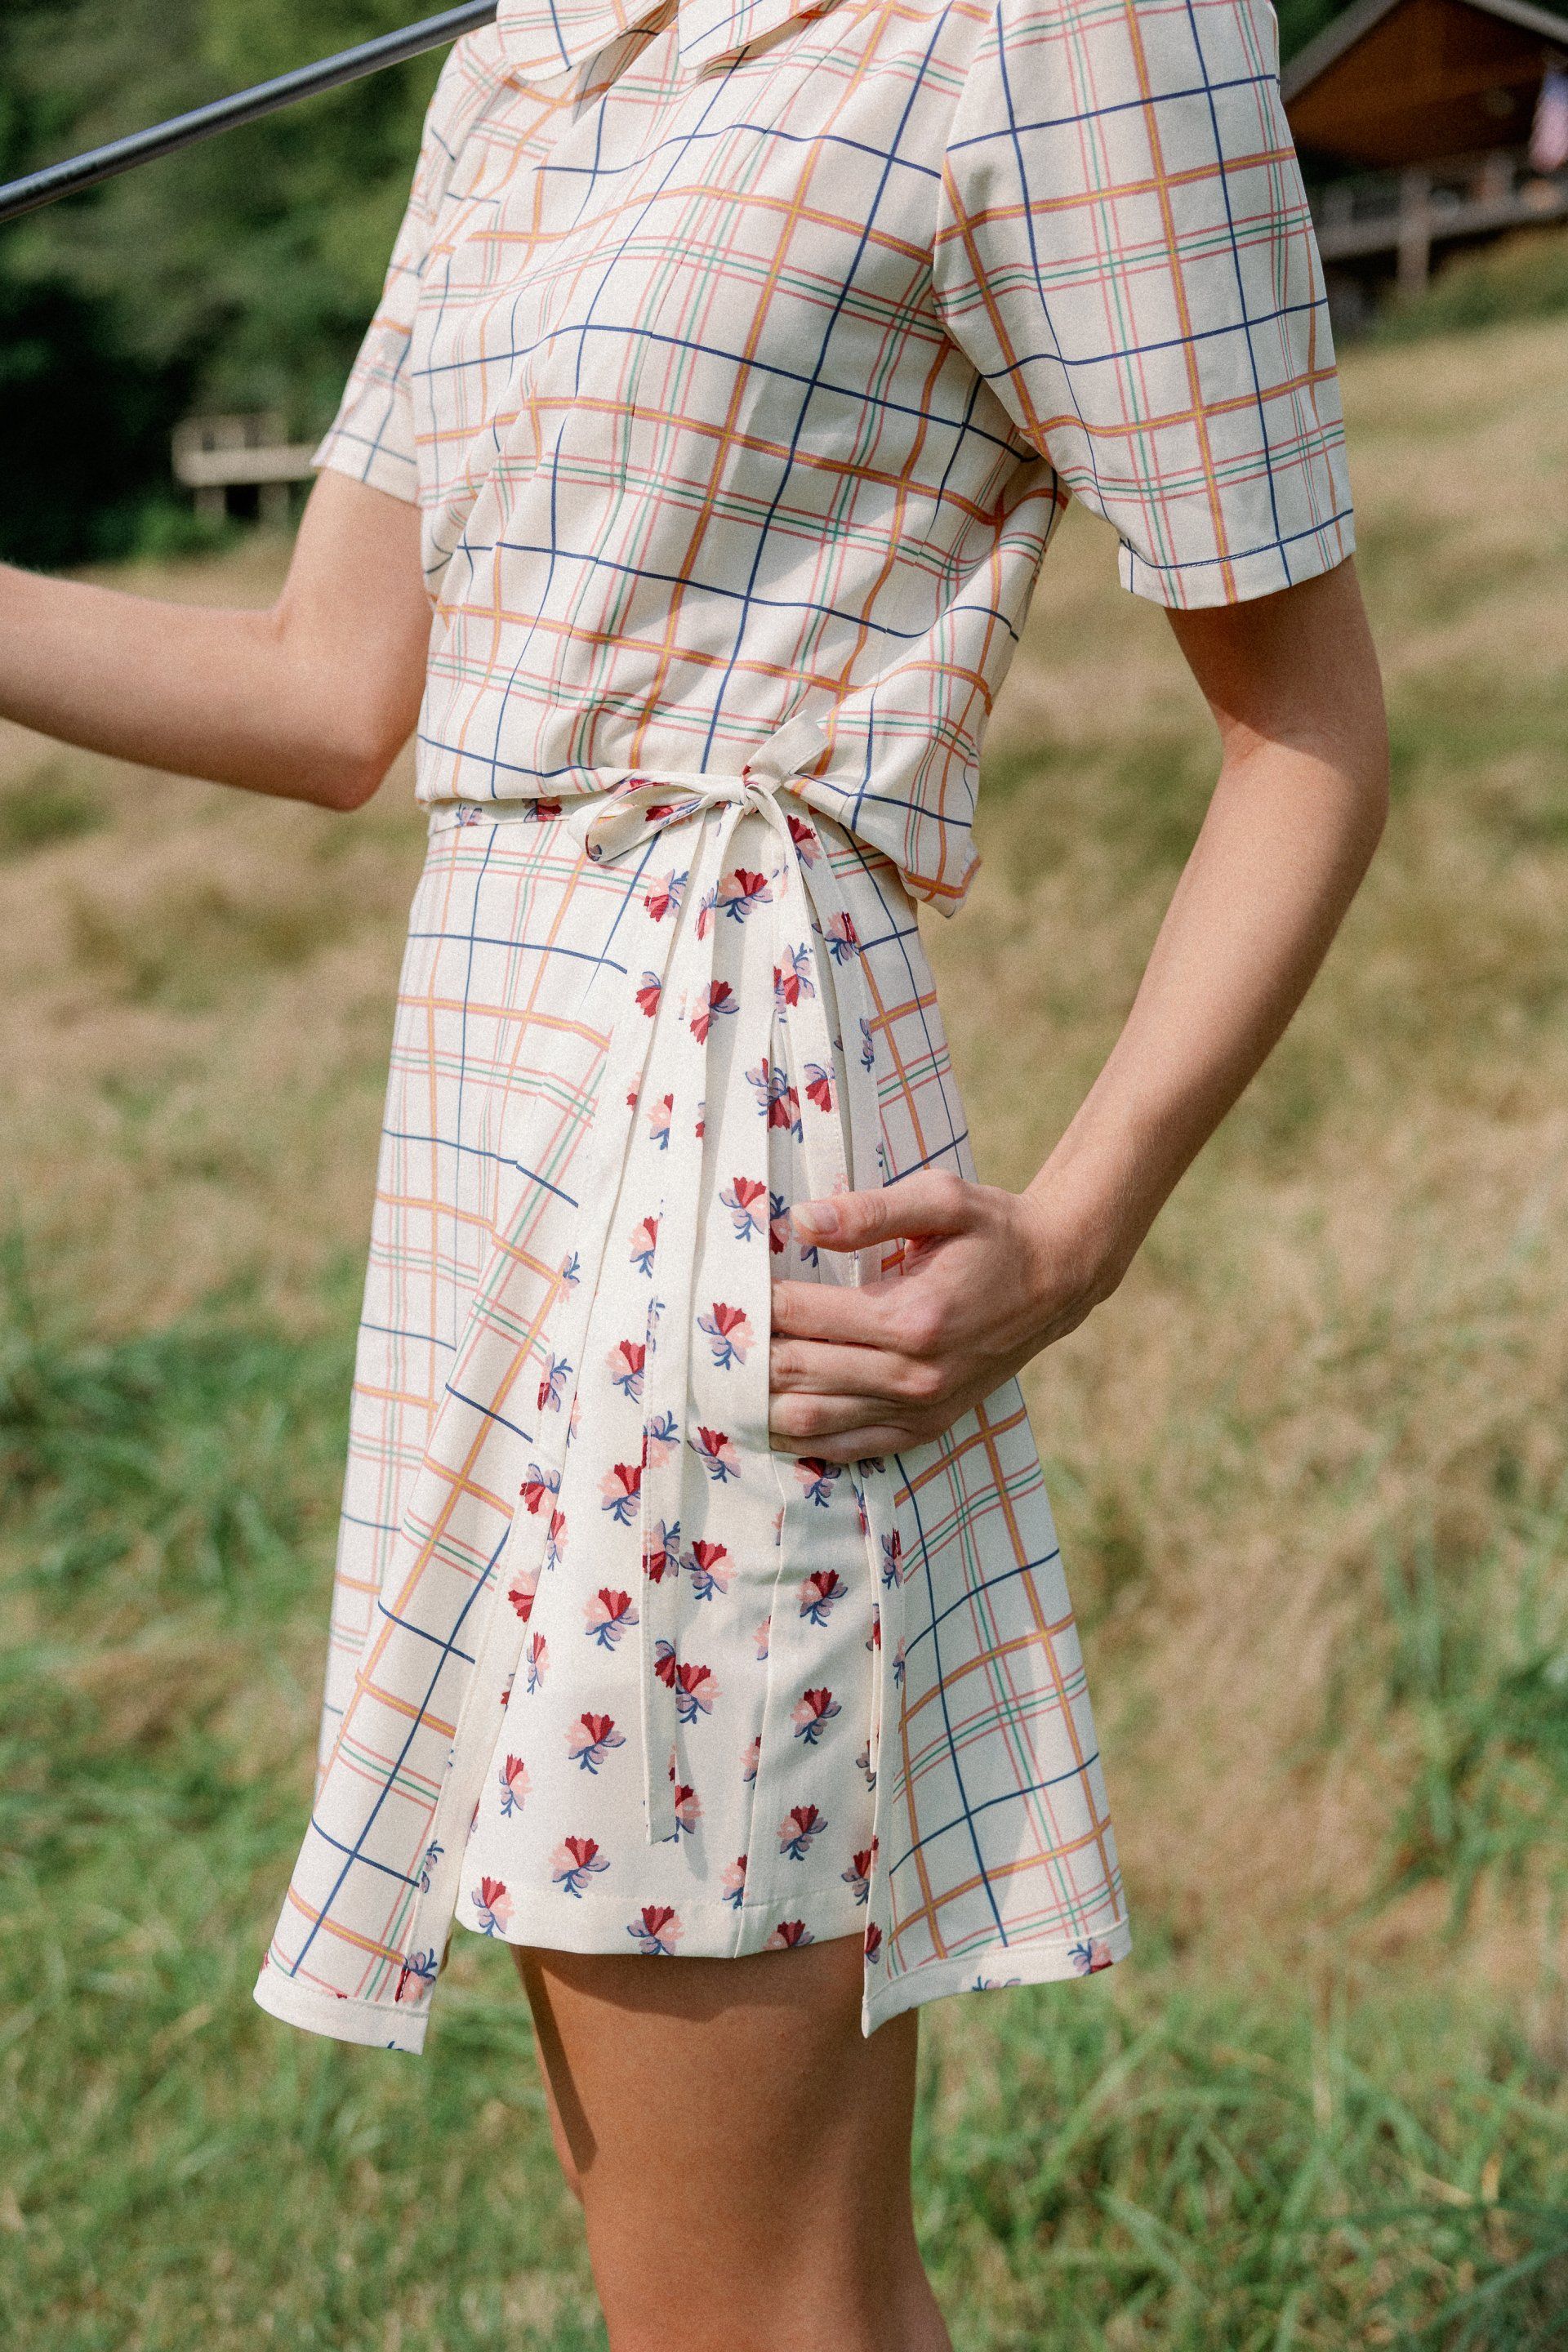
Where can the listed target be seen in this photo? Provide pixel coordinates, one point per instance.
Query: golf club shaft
(24, 195)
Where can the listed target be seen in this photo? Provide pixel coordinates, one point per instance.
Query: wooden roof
(1413, 81)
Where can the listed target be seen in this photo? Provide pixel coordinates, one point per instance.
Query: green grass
(1182, 2165)
(50, 806)
(1524, 276)
(1309, 1465)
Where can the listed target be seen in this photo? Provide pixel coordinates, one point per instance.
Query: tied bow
(781, 1034)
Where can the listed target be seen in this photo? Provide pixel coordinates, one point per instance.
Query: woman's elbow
(351, 780)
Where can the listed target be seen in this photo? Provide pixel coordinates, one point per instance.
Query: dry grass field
(1310, 1467)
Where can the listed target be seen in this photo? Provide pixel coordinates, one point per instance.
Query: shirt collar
(547, 41)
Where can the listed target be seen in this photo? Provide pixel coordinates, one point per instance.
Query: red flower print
(739, 892)
(514, 1785)
(659, 1119)
(734, 1882)
(493, 1904)
(645, 1239)
(1090, 1956)
(649, 995)
(819, 1592)
(625, 1365)
(661, 1557)
(873, 1941)
(574, 1862)
(522, 1593)
(858, 1875)
(787, 1934)
(696, 1690)
(817, 1478)
(717, 1452)
(665, 897)
(801, 1825)
(819, 1086)
(892, 1556)
(556, 1543)
(418, 1969)
(537, 1488)
(804, 839)
(695, 1687)
(729, 1334)
(608, 1616)
(553, 1386)
(841, 938)
(812, 1711)
(776, 1098)
(589, 1739)
(538, 1660)
(720, 1000)
(687, 1806)
(744, 1201)
(708, 1570)
(660, 1436)
(792, 979)
(620, 1490)
(656, 1929)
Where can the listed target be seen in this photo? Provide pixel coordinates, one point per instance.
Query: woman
(697, 1597)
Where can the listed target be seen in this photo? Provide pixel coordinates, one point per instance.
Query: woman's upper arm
(1298, 667)
(354, 600)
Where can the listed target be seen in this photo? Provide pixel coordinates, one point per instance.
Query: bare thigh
(742, 2150)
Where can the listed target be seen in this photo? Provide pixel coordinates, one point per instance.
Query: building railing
(1406, 212)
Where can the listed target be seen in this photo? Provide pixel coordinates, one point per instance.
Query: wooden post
(1414, 230)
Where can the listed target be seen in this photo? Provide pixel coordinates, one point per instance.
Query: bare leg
(741, 2150)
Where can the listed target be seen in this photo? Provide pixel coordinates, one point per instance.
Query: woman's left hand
(989, 1278)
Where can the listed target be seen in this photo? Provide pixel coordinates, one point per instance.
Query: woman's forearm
(308, 699)
(990, 1276)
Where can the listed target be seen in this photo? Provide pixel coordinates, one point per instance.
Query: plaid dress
(741, 361)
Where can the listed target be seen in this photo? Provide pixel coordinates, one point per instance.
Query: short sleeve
(371, 436)
(1125, 254)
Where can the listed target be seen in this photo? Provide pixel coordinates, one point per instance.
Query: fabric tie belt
(783, 1034)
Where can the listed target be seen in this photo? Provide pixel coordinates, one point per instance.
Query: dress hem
(380, 2024)
(579, 1925)
(340, 2016)
(994, 1970)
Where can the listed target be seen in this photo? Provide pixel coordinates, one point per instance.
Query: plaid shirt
(735, 386)
(742, 362)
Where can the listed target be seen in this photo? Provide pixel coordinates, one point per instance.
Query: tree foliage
(238, 274)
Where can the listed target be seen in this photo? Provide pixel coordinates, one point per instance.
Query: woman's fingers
(933, 1202)
(867, 1316)
(819, 1367)
(860, 1443)
(804, 1425)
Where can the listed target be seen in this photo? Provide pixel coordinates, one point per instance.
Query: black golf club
(25, 195)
